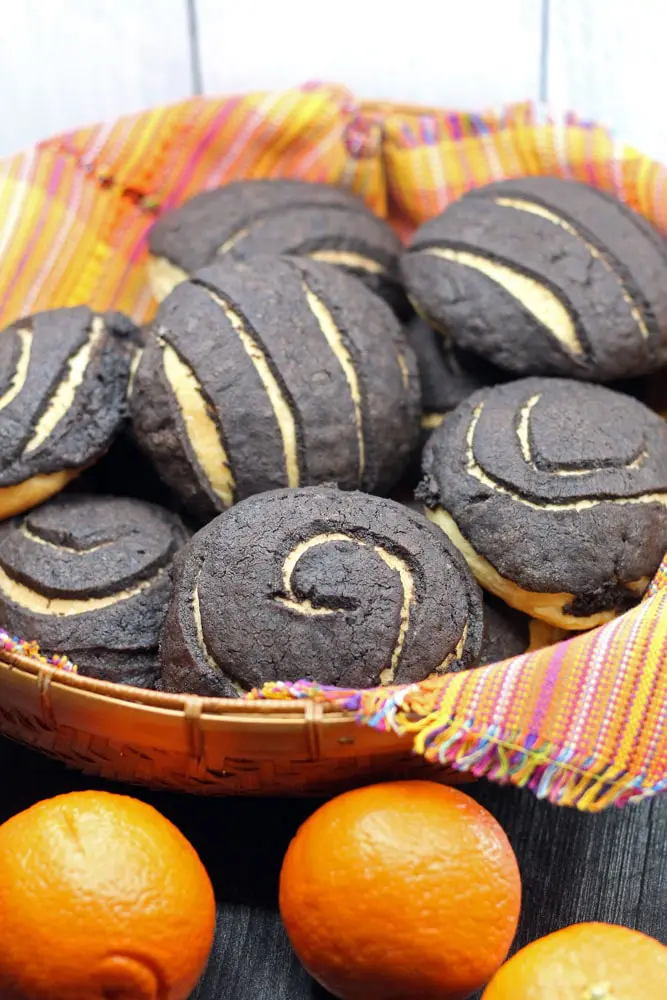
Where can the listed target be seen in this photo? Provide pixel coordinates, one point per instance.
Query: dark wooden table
(611, 866)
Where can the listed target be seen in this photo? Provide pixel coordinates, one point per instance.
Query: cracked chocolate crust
(89, 576)
(63, 390)
(506, 632)
(277, 372)
(251, 217)
(315, 583)
(447, 376)
(559, 488)
(545, 276)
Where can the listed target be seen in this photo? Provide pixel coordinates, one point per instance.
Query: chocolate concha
(64, 377)
(544, 276)
(275, 216)
(555, 491)
(315, 583)
(272, 373)
(89, 576)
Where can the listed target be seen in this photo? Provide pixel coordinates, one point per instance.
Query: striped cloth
(583, 723)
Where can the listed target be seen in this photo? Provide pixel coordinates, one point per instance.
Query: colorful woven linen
(583, 723)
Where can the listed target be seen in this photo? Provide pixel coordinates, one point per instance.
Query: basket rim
(181, 704)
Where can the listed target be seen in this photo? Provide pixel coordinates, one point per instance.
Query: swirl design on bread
(303, 605)
(556, 493)
(317, 583)
(88, 576)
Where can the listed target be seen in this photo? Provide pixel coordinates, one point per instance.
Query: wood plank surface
(460, 55)
(65, 63)
(610, 866)
(606, 59)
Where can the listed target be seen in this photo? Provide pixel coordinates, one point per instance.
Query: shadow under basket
(206, 746)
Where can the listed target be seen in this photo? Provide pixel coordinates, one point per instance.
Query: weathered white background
(69, 62)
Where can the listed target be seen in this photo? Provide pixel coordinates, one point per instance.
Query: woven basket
(210, 746)
(384, 151)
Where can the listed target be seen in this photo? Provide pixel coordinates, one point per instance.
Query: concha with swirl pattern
(556, 493)
(89, 576)
(320, 584)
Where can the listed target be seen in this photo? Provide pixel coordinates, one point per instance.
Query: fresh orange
(585, 962)
(402, 890)
(101, 898)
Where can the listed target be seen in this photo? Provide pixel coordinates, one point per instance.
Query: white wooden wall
(69, 62)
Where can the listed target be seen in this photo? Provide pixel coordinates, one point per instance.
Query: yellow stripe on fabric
(479, 163)
(519, 698)
(587, 654)
(81, 245)
(620, 658)
(137, 154)
(508, 710)
(452, 692)
(476, 698)
(529, 141)
(651, 743)
(293, 119)
(111, 161)
(645, 184)
(184, 143)
(217, 161)
(123, 226)
(633, 676)
(256, 158)
(557, 720)
(507, 153)
(577, 142)
(93, 256)
(133, 164)
(106, 265)
(643, 681)
(16, 190)
(57, 248)
(40, 229)
(594, 733)
(32, 204)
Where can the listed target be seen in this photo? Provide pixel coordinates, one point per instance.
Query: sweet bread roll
(340, 588)
(276, 372)
(556, 493)
(63, 395)
(251, 217)
(89, 576)
(446, 378)
(545, 276)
